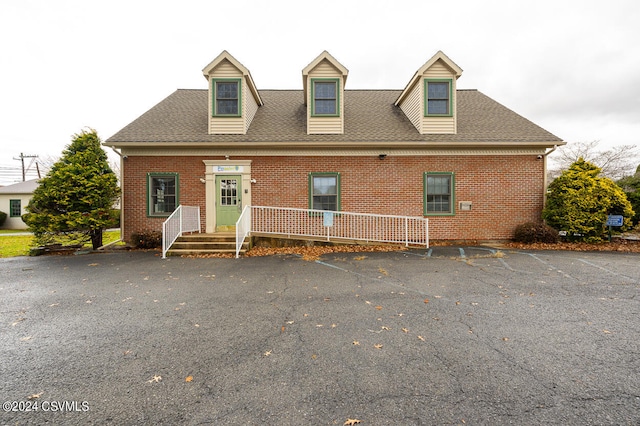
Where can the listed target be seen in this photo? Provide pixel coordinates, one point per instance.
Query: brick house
(475, 168)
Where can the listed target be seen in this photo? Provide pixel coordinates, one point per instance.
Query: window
(229, 192)
(325, 98)
(438, 97)
(438, 193)
(162, 191)
(15, 208)
(226, 97)
(324, 191)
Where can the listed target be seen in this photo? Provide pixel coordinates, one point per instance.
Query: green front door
(228, 201)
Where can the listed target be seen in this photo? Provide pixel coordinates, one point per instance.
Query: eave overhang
(337, 146)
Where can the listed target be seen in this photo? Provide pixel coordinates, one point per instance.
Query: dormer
(233, 96)
(323, 81)
(429, 100)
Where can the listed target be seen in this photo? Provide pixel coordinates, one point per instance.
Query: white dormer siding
(233, 99)
(323, 82)
(432, 111)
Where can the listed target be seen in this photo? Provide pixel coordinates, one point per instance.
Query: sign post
(614, 220)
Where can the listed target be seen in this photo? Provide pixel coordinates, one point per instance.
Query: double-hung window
(438, 193)
(226, 97)
(438, 94)
(162, 193)
(325, 97)
(15, 208)
(324, 191)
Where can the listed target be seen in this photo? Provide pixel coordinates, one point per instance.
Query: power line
(21, 159)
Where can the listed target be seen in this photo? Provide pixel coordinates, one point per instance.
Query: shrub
(532, 232)
(579, 201)
(3, 217)
(147, 239)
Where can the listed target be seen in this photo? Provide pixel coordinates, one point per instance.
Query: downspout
(544, 156)
(122, 157)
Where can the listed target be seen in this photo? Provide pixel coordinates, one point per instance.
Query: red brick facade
(505, 190)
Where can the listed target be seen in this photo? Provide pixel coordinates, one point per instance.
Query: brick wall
(134, 185)
(505, 190)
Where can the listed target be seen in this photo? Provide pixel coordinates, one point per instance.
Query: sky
(570, 66)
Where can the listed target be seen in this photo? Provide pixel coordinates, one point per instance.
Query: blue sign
(328, 218)
(614, 220)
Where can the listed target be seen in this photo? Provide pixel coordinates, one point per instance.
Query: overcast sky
(570, 66)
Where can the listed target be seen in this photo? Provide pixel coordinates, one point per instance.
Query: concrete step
(196, 244)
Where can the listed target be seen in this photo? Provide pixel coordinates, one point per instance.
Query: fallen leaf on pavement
(155, 378)
(188, 379)
(426, 300)
(351, 422)
(34, 396)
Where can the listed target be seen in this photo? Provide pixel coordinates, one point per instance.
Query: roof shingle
(369, 116)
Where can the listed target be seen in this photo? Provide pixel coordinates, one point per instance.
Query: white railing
(183, 219)
(243, 228)
(328, 225)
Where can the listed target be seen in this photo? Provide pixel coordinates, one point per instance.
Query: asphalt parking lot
(454, 335)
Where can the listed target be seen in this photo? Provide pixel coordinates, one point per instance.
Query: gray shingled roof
(370, 116)
(26, 187)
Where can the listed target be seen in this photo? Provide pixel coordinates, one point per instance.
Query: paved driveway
(450, 336)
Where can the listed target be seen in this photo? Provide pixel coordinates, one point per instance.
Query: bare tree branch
(616, 163)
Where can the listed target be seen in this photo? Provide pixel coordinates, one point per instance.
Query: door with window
(228, 200)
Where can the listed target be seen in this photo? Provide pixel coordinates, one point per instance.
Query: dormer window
(226, 97)
(325, 97)
(438, 94)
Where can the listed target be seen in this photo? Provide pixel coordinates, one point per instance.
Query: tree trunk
(96, 238)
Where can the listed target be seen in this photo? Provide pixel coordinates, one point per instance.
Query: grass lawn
(19, 245)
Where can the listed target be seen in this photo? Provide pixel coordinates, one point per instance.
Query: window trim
(11, 206)
(426, 96)
(313, 99)
(214, 97)
(338, 189)
(452, 189)
(152, 175)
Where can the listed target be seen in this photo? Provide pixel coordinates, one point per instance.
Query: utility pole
(21, 159)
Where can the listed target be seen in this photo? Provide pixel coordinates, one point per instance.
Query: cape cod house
(475, 168)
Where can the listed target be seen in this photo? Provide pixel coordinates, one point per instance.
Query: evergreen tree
(580, 200)
(76, 196)
(631, 187)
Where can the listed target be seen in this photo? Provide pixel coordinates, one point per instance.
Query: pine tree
(76, 196)
(580, 200)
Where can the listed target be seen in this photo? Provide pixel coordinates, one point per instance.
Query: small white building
(14, 200)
